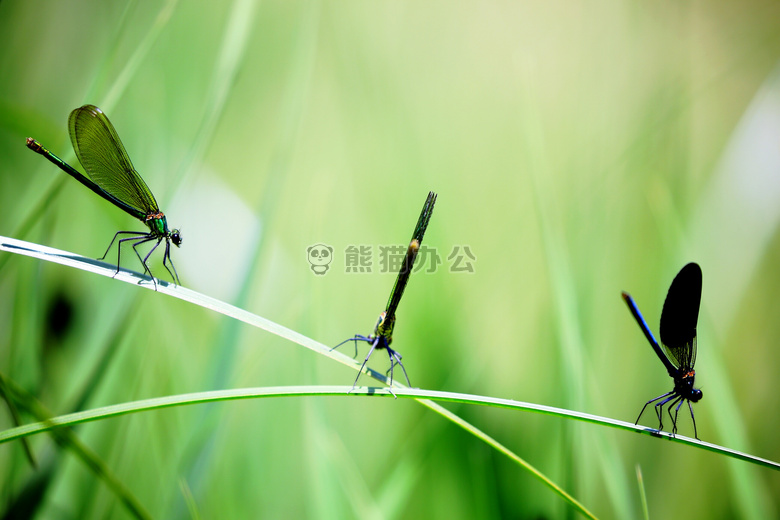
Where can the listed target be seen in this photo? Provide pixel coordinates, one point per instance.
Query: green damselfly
(111, 175)
(383, 332)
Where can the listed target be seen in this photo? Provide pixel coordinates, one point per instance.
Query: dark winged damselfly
(678, 342)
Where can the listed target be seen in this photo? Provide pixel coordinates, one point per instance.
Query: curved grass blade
(233, 394)
(253, 393)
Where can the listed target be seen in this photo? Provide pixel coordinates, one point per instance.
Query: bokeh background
(578, 149)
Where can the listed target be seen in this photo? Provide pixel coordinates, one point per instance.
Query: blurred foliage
(577, 149)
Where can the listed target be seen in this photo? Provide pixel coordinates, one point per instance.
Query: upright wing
(411, 254)
(105, 160)
(680, 315)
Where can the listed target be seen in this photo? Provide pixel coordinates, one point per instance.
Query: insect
(678, 343)
(383, 332)
(111, 175)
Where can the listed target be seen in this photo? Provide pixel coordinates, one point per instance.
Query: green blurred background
(578, 149)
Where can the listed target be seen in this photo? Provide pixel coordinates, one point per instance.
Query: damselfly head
(176, 237)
